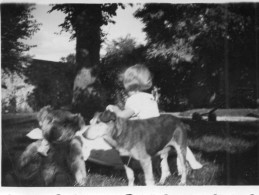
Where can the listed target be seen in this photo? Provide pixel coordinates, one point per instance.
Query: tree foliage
(73, 12)
(84, 22)
(206, 40)
(53, 83)
(17, 24)
(70, 59)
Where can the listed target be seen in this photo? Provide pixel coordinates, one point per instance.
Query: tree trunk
(88, 94)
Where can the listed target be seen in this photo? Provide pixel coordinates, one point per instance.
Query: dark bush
(53, 83)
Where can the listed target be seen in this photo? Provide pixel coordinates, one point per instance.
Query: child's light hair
(137, 78)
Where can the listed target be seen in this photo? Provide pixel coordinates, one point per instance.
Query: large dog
(142, 139)
(65, 154)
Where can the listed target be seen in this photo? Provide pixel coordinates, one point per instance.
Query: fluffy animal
(65, 154)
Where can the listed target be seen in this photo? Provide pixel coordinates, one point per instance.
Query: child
(140, 104)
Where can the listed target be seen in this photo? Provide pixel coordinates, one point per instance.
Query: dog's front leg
(77, 163)
(146, 165)
(165, 171)
(130, 175)
(181, 162)
(48, 173)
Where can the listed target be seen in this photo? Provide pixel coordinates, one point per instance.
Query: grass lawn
(229, 152)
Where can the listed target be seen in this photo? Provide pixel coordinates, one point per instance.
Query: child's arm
(127, 113)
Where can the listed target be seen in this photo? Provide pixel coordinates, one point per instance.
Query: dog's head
(100, 125)
(107, 116)
(65, 130)
(59, 125)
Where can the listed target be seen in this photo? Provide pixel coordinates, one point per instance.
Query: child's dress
(143, 104)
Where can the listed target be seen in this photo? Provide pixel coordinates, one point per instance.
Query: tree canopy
(17, 24)
(206, 40)
(84, 22)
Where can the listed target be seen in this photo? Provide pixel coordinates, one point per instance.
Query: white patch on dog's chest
(89, 145)
(123, 152)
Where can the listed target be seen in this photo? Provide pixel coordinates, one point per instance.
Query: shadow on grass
(234, 147)
(237, 168)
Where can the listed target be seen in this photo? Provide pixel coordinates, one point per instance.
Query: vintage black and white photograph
(129, 94)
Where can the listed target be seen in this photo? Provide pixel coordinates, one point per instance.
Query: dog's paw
(81, 183)
(162, 180)
(150, 183)
(182, 184)
(160, 183)
(131, 184)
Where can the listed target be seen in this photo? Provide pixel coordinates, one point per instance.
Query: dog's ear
(80, 120)
(113, 116)
(46, 108)
(70, 122)
(43, 112)
(107, 116)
